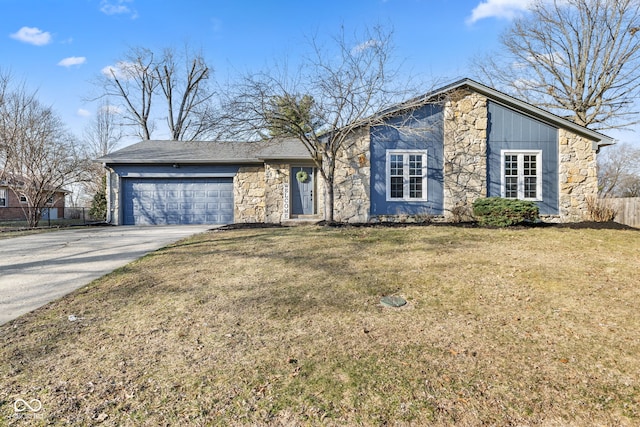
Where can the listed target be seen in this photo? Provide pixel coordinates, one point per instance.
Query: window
(23, 198)
(521, 175)
(3, 197)
(406, 175)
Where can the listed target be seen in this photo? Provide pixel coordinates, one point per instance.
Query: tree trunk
(328, 200)
(33, 215)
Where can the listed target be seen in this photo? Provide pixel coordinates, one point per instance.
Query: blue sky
(59, 47)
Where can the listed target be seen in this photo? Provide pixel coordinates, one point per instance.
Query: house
(13, 203)
(465, 141)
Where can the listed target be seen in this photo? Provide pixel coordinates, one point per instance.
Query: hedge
(499, 212)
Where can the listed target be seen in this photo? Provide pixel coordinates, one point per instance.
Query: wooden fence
(627, 210)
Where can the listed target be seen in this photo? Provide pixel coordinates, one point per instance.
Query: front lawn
(284, 326)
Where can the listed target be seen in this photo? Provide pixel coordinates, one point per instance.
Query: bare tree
(39, 156)
(577, 58)
(187, 93)
(335, 92)
(101, 137)
(177, 82)
(134, 82)
(103, 134)
(619, 171)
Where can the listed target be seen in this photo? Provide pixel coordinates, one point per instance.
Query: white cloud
(364, 46)
(32, 35)
(504, 9)
(72, 60)
(121, 70)
(549, 58)
(525, 84)
(112, 109)
(117, 7)
(112, 71)
(83, 113)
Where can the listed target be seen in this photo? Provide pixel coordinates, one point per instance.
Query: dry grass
(284, 327)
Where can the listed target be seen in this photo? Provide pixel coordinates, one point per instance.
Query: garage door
(159, 201)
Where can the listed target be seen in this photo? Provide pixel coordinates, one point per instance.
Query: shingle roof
(196, 152)
(214, 152)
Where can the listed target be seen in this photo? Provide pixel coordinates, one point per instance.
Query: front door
(302, 191)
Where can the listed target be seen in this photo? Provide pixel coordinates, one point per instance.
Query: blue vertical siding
(428, 134)
(510, 130)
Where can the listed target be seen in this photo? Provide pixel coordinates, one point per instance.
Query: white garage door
(160, 201)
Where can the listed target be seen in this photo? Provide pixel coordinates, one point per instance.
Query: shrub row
(499, 212)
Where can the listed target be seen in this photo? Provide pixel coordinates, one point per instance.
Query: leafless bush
(461, 213)
(600, 210)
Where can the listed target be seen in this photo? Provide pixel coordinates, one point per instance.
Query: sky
(60, 47)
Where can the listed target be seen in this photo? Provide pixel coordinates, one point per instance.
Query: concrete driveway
(40, 268)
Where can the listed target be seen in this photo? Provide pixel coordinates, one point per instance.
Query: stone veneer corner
(249, 194)
(578, 178)
(352, 181)
(465, 153)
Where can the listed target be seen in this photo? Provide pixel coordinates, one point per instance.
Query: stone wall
(276, 183)
(578, 175)
(114, 210)
(353, 179)
(465, 153)
(249, 194)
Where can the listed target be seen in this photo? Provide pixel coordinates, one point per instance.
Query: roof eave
(287, 158)
(171, 161)
(536, 112)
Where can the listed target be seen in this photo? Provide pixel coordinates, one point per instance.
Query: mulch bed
(592, 225)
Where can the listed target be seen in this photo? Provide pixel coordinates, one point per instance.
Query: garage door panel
(154, 201)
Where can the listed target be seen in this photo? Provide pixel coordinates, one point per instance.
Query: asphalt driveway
(40, 268)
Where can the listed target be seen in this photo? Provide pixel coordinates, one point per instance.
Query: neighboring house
(468, 141)
(12, 205)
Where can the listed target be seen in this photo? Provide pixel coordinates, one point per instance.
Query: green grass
(284, 327)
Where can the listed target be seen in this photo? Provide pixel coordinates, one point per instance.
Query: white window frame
(4, 193)
(405, 171)
(520, 156)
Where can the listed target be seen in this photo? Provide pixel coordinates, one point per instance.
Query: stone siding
(114, 210)
(276, 181)
(249, 194)
(465, 153)
(578, 175)
(353, 179)
(262, 194)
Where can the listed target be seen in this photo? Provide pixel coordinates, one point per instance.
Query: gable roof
(226, 152)
(11, 180)
(514, 103)
(207, 152)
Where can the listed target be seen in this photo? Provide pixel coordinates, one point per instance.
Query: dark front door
(302, 191)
